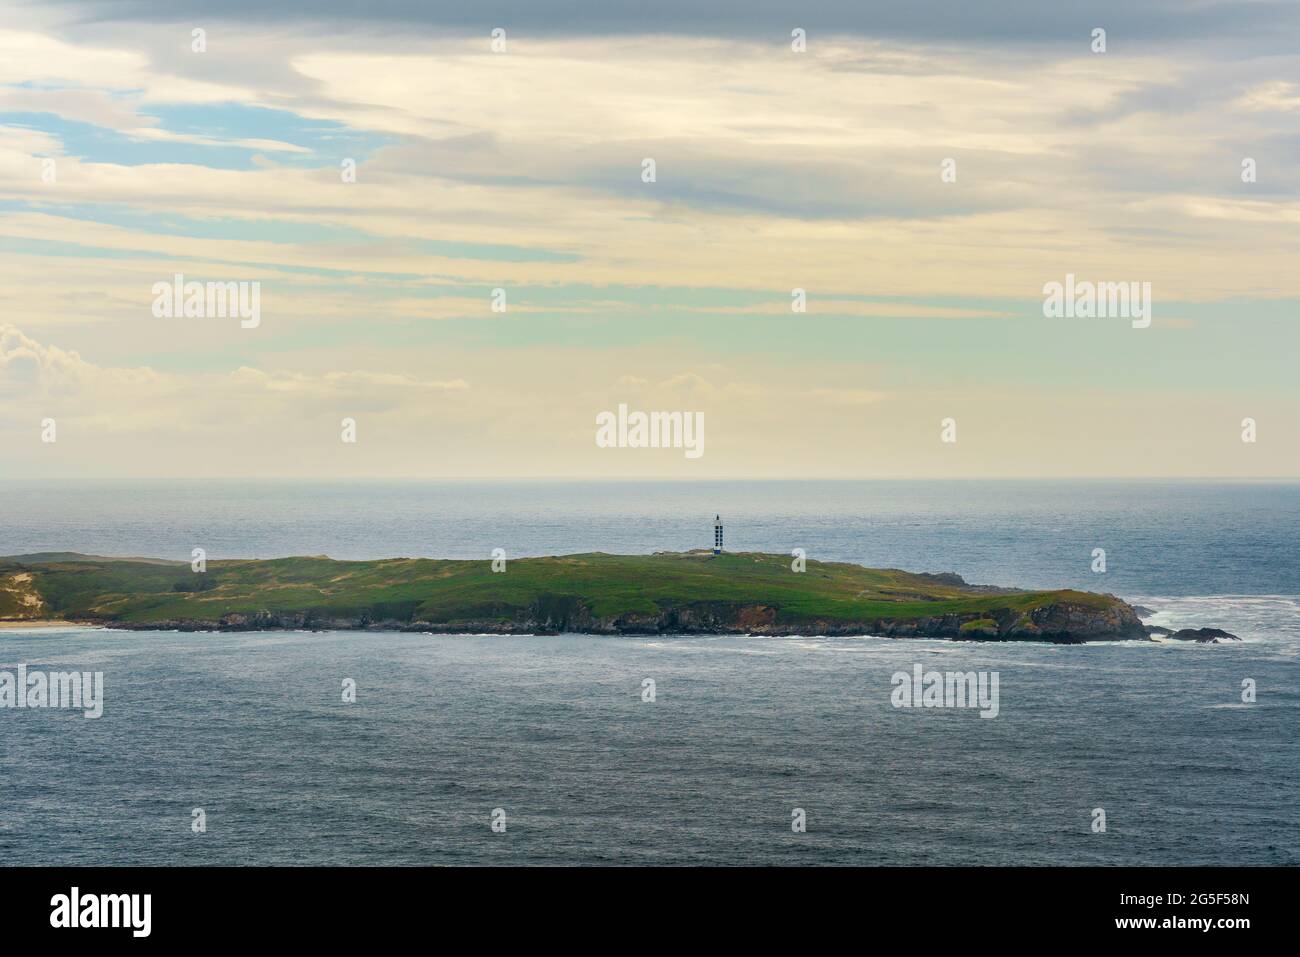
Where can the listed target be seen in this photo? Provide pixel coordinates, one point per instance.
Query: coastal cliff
(665, 593)
(1061, 622)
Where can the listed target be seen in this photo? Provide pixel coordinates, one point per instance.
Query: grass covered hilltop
(669, 592)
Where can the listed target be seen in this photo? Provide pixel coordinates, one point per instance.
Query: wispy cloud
(126, 157)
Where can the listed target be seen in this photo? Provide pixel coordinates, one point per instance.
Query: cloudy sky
(126, 157)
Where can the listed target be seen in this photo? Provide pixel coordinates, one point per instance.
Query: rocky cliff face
(1062, 622)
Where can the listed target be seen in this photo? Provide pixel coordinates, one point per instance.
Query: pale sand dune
(41, 623)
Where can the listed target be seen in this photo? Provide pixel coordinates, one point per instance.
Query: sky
(920, 171)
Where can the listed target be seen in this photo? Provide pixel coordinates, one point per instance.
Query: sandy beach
(42, 623)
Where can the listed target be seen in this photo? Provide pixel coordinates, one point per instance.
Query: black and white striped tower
(717, 534)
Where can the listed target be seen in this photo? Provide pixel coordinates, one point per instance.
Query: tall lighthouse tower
(717, 534)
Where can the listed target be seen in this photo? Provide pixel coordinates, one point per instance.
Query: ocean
(554, 734)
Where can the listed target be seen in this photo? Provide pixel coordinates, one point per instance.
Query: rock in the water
(1157, 629)
(1203, 636)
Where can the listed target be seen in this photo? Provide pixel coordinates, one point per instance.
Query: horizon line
(320, 480)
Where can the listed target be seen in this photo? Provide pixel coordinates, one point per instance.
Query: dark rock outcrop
(1203, 636)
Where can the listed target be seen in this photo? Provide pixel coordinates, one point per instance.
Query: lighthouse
(717, 534)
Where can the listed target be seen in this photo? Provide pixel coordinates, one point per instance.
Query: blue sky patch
(327, 143)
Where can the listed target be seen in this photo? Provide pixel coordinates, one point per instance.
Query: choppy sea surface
(554, 731)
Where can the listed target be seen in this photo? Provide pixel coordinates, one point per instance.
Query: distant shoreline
(696, 592)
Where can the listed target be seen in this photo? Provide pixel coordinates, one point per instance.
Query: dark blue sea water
(553, 730)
